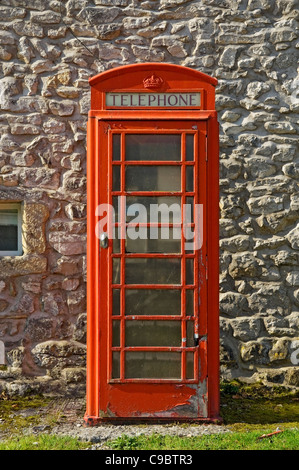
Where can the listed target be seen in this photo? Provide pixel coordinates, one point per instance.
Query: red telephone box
(152, 293)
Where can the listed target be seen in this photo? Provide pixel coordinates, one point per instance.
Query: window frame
(19, 251)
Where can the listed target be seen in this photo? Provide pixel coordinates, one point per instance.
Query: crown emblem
(153, 82)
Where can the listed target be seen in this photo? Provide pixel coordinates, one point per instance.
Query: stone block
(293, 278)
(118, 3)
(292, 377)
(45, 17)
(39, 177)
(282, 35)
(244, 265)
(39, 329)
(283, 127)
(276, 326)
(51, 354)
(228, 57)
(280, 351)
(293, 237)
(256, 352)
(291, 170)
(22, 265)
(10, 13)
(54, 304)
(68, 244)
(3, 305)
(62, 108)
(265, 204)
(235, 244)
(25, 28)
(33, 228)
(255, 89)
(75, 375)
(80, 328)
(246, 329)
(73, 181)
(233, 304)
(67, 92)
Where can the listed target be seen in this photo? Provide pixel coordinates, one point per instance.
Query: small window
(10, 230)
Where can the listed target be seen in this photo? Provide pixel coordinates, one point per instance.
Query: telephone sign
(152, 272)
(151, 100)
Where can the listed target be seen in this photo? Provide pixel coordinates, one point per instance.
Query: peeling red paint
(152, 399)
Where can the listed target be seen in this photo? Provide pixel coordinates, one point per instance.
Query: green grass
(243, 406)
(43, 442)
(248, 411)
(288, 440)
(13, 418)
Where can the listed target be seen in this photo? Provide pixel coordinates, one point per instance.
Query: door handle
(104, 240)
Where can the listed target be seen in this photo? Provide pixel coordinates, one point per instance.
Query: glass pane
(153, 333)
(8, 238)
(115, 333)
(116, 147)
(149, 147)
(190, 334)
(8, 216)
(152, 302)
(116, 242)
(189, 365)
(153, 240)
(116, 178)
(116, 302)
(189, 179)
(162, 209)
(189, 271)
(154, 209)
(116, 271)
(8, 230)
(189, 302)
(189, 238)
(153, 365)
(116, 365)
(190, 202)
(116, 207)
(153, 178)
(189, 148)
(153, 271)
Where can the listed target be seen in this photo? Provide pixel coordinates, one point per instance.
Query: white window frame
(19, 251)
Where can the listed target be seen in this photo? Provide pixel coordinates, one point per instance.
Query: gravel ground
(100, 434)
(68, 418)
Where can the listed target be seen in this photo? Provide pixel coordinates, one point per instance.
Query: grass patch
(248, 411)
(43, 442)
(258, 405)
(19, 413)
(288, 440)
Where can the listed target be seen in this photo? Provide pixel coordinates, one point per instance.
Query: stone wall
(48, 50)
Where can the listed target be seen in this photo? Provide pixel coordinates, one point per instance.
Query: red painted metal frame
(195, 257)
(99, 124)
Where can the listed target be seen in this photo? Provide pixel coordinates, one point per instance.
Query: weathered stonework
(48, 50)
